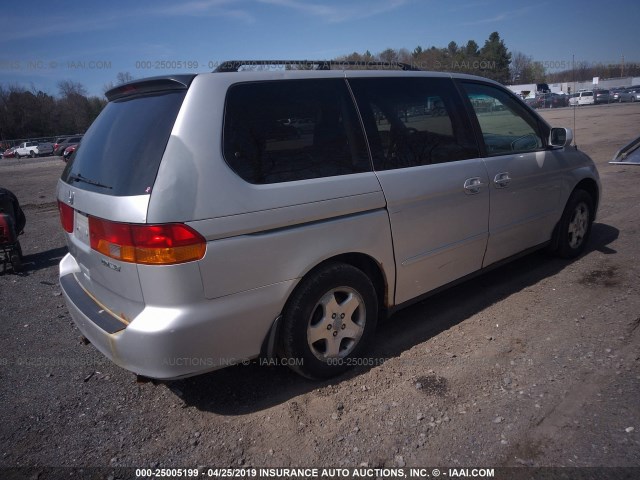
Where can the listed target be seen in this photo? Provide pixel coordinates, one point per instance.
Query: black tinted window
(122, 150)
(413, 121)
(281, 131)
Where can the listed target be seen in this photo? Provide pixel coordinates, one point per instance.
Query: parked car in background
(582, 98)
(45, 149)
(551, 100)
(68, 151)
(601, 96)
(27, 149)
(573, 99)
(66, 142)
(9, 153)
(57, 144)
(562, 99)
(634, 91)
(620, 95)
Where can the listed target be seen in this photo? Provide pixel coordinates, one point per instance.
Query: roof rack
(236, 65)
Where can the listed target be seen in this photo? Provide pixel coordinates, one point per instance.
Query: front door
(523, 174)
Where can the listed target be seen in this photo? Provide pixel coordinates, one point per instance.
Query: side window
(281, 131)
(507, 127)
(413, 121)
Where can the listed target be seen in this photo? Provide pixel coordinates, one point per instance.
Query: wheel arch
(367, 264)
(371, 268)
(590, 186)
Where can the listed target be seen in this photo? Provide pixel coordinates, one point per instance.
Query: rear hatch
(104, 191)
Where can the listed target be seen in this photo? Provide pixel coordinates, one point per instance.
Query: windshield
(121, 152)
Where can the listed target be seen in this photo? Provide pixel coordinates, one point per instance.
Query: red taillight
(147, 244)
(66, 216)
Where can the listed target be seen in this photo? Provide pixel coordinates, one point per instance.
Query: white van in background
(583, 98)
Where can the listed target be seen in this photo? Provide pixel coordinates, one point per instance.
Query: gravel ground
(534, 364)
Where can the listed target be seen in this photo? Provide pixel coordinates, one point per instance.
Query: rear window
(122, 150)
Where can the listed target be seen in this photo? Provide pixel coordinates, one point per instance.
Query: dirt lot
(534, 364)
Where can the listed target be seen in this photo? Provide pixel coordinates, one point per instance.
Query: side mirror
(560, 137)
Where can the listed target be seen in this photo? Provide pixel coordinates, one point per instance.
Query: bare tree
(389, 55)
(123, 77)
(519, 63)
(68, 88)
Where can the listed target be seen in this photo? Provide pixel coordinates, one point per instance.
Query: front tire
(575, 225)
(329, 321)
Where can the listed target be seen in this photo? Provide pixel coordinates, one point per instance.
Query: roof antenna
(573, 67)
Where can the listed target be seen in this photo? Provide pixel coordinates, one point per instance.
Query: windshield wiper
(79, 178)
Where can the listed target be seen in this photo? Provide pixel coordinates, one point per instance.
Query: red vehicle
(62, 143)
(9, 153)
(57, 144)
(68, 151)
(12, 222)
(551, 100)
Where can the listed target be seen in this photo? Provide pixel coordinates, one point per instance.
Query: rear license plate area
(81, 227)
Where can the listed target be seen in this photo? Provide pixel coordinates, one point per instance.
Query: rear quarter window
(282, 131)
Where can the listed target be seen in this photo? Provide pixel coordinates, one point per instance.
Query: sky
(43, 43)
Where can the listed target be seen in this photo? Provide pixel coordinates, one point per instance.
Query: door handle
(502, 180)
(473, 185)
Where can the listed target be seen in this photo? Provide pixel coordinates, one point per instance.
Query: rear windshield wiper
(79, 178)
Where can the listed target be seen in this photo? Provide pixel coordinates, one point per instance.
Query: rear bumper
(181, 341)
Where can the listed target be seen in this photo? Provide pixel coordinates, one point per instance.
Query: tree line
(29, 114)
(32, 114)
(585, 71)
(492, 60)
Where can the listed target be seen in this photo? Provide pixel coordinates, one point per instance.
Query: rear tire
(329, 321)
(575, 225)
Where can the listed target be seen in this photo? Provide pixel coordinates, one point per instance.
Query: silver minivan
(281, 211)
